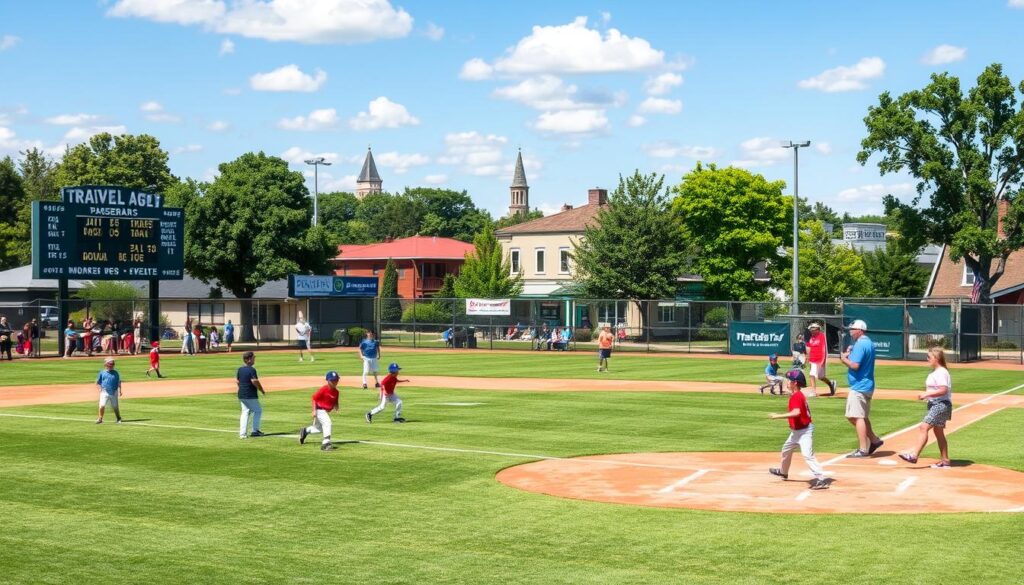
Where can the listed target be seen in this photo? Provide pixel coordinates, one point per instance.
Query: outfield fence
(901, 328)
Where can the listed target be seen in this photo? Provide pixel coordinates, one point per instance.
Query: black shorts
(604, 353)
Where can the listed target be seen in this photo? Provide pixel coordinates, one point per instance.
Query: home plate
(453, 404)
(887, 462)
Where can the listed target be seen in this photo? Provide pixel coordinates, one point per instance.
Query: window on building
(514, 258)
(540, 261)
(563, 260)
(667, 313)
(611, 313)
(376, 270)
(206, 313)
(968, 279)
(267, 314)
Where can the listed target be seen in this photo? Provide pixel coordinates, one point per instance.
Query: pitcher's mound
(740, 482)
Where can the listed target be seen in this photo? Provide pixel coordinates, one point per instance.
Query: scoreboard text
(110, 233)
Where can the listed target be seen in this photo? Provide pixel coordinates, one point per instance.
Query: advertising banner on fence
(888, 346)
(301, 285)
(489, 307)
(758, 338)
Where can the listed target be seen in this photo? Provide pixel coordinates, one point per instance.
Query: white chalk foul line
(803, 495)
(905, 484)
(984, 400)
(696, 474)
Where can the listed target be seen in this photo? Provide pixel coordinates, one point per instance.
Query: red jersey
(387, 385)
(816, 348)
(154, 357)
(803, 419)
(326, 398)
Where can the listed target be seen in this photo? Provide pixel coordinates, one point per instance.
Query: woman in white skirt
(939, 394)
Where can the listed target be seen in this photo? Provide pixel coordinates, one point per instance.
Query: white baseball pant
(803, 438)
(322, 423)
(370, 366)
(384, 399)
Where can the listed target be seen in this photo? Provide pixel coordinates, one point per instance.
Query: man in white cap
(109, 384)
(860, 359)
(817, 354)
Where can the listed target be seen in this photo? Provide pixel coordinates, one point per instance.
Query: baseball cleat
(369, 417)
(832, 387)
(399, 420)
(257, 434)
(819, 484)
(364, 386)
(778, 473)
(327, 447)
(99, 421)
(303, 433)
(874, 446)
(376, 384)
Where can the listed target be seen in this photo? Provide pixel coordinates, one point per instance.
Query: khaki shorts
(858, 405)
(818, 370)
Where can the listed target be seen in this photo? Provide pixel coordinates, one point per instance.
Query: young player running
(324, 401)
(801, 432)
(154, 359)
(387, 394)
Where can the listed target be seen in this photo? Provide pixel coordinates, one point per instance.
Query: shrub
(1001, 345)
(584, 334)
(425, 313)
(713, 327)
(355, 335)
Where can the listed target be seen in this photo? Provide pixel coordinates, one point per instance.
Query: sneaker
(257, 434)
(778, 473)
(364, 386)
(941, 465)
(303, 433)
(300, 359)
(874, 446)
(857, 454)
(832, 387)
(242, 437)
(819, 484)
(908, 458)
(312, 359)
(376, 384)
(327, 447)
(399, 420)
(118, 421)
(147, 373)
(369, 417)
(99, 421)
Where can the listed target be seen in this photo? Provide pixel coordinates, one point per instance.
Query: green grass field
(176, 497)
(573, 365)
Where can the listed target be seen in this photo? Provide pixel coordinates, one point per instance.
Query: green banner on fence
(758, 338)
(934, 320)
(888, 346)
(885, 327)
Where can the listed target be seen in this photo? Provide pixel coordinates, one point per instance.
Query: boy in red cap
(154, 359)
(801, 432)
(324, 401)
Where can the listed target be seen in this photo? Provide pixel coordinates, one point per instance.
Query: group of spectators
(197, 338)
(543, 337)
(109, 337)
(24, 341)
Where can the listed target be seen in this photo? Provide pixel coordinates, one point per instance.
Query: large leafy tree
(967, 153)
(447, 213)
(251, 225)
(827, 272)
(487, 273)
(390, 304)
(634, 248)
(518, 218)
(38, 173)
(734, 219)
(136, 162)
(895, 273)
(13, 202)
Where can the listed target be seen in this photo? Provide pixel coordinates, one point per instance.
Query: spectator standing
(137, 337)
(70, 337)
(860, 359)
(5, 339)
(302, 331)
(33, 336)
(938, 391)
(229, 334)
(87, 335)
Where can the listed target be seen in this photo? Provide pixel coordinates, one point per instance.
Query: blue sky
(445, 92)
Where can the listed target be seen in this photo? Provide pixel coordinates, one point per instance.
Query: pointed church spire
(519, 178)
(369, 181)
(519, 191)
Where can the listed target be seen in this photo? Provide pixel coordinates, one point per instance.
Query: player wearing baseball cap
(154, 359)
(324, 401)
(387, 394)
(860, 359)
(801, 432)
(109, 384)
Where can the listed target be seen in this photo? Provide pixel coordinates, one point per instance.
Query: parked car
(49, 318)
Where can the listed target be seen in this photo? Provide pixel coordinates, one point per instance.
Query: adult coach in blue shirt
(860, 359)
(248, 385)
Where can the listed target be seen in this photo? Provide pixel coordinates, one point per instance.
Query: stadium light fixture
(316, 162)
(796, 146)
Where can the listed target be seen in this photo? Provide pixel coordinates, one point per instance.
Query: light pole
(796, 146)
(316, 162)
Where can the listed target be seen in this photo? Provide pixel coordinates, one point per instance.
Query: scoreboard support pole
(63, 314)
(154, 309)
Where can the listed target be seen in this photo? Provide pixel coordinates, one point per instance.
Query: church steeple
(369, 181)
(519, 201)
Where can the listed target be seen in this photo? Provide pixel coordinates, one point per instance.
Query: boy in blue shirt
(109, 384)
(771, 373)
(369, 350)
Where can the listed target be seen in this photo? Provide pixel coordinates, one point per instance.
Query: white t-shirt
(940, 377)
(302, 329)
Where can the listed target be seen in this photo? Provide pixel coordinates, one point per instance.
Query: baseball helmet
(332, 376)
(798, 377)
(393, 368)
(154, 343)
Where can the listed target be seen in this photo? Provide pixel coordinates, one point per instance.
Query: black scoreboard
(107, 233)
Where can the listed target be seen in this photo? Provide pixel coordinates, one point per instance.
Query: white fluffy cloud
(218, 126)
(943, 54)
(823, 147)
(227, 46)
(636, 121)
(83, 133)
(316, 120)
(548, 92)
(761, 152)
(8, 41)
(10, 143)
(297, 156)
(154, 112)
(1015, 3)
(188, 148)
(572, 122)
(433, 32)
(400, 163)
(72, 119)
(483, 155)
(663, 83)
(669, 149)
(436, 179)
(301, 21)
(868, 198)
(383, 113)
(570, 48)
(846, 77)
(288, 78)
(653, 105)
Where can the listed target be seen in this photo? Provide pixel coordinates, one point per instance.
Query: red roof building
(422, 262)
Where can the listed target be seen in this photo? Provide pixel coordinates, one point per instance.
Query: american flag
(976, 290)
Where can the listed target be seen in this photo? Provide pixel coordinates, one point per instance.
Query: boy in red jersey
(154, 359)
(817, 354)
(324, 401)
(801, 432)
(387, 394)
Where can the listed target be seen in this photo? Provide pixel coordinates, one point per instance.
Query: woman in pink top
(938, 392)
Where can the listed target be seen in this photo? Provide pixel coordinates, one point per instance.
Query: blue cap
(393, 368)
(333, 376)
(798, 377)
(773, 358)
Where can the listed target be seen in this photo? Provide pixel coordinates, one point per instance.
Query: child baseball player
(387, 394)
(771, 374)
(801, 432)
(369, 350)
(154, 359)
(109, 384)
(324, 401)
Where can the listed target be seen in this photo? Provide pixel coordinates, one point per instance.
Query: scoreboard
(107, 233)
